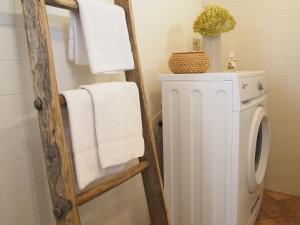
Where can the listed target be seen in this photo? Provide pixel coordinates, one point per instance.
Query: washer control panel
(252, 87)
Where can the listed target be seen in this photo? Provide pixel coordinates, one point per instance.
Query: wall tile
(278, 83)
(18, 207)
(14, 77)
(41, 197)
(28, 111)
(294, 83)
(291, 172)
(38, 168)
(6, 7)
(293, 50)
(278, 51)
(292, 114)
(1, 213)
(293, 98)
(45, 218)
(276, 151)
(274, 176)
(292, 129)
(30, 221)
(272, 184)
(263, 21)
(263, 6)
(293, 35)
(294, 19)
(246, 22)
(13, 44)
(278, 66)
(263, 65)
(294, 4)
(278, 99)
(291, 188)
(279, 20)
(8, 46)
(31, 139)
(292, 154)
(279, 35)
(294, 67)
(10, 111)
(279, 5)
(11, 149)
(67, 76)
(17, 7)
(16, 176)
(261, 53)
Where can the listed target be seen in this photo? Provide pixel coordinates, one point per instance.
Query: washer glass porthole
(258, 147)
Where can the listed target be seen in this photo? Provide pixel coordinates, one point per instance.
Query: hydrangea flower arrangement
(213, 21)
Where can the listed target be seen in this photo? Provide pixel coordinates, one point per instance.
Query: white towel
(77, 49)
(118, 122)
(83, 138)
(99, 37)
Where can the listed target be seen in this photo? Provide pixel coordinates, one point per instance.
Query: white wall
(267, 37)
(162, 26)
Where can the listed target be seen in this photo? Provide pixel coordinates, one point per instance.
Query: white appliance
(216, 144)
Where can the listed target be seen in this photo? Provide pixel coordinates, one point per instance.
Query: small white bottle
(232, 65)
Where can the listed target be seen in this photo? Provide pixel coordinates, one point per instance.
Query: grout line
(28, 188)
(17, 94)
(22, 158)
(19, 126)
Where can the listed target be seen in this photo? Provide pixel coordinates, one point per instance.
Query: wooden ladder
(57, 154)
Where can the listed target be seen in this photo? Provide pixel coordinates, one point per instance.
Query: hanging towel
(77, 49)
(100, 30)
(83, 138)
(118, 122)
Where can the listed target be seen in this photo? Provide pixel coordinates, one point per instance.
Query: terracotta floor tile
(293, 204)
(291, 220)
(276, 209)
(279, 209)
(266, 222)
(277, 195)
(262, 215)
(267, 197)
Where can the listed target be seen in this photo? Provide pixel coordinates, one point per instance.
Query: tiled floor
(279, 209)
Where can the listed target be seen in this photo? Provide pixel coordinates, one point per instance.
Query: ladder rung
(112, 182)
(66, 4)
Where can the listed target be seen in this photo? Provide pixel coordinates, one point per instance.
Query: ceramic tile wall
(162, 27)
(267, 37)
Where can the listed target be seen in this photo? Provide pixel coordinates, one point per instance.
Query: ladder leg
(151, 177)
(58, 161)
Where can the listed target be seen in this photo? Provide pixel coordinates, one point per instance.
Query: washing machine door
(258, 149)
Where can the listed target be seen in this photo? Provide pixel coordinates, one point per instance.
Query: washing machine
(216, 144)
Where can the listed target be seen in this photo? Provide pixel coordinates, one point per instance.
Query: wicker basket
(189, 62)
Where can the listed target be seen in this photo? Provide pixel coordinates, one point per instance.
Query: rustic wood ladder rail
(57, 154)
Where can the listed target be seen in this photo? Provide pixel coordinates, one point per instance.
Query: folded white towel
(83, 139)
(100, 29)
(118, 122)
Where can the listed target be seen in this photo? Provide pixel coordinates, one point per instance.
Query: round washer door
(258, 149)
